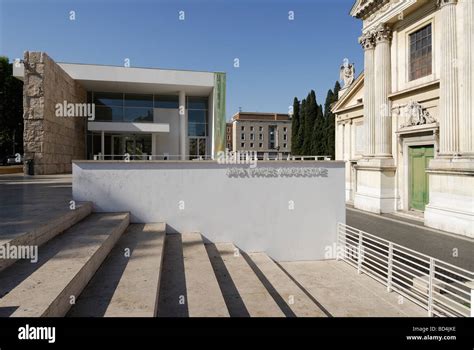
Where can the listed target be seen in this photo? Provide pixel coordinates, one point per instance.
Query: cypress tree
(331, 98)
(311, 114)
(295, 126)
(337, 88)
(300, 134)
(319, 133)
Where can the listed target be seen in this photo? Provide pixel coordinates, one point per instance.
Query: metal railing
(242, 156)
(439, 287)
(309, 157)
(133, 157)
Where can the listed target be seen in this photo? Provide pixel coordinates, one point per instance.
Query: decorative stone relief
(367, 40)
(382, 33)
(417, 115)
(441, 3)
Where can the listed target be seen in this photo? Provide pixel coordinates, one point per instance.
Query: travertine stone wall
(52, 142)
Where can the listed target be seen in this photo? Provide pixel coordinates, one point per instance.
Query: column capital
(382, 33)
(442, 3)
(367, 41)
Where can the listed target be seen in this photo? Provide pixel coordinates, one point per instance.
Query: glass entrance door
(197, 147)
(137, 146)
(117, 147)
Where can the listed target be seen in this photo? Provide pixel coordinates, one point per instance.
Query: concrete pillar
(102, 144)
(153, 146)
(449, 95)
(368, 43)
(383, 71)
(466, 117)
(183, 125)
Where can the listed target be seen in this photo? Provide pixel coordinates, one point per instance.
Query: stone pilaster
(383, 122)
(466, 118)
(367, 42)
(449, 94)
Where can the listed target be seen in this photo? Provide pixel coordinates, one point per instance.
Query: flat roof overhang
(135, 80)
(128, 127)
(140, 80)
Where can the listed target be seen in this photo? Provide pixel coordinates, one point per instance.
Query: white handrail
(441, 288)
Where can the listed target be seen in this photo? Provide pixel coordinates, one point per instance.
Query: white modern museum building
(143, 112)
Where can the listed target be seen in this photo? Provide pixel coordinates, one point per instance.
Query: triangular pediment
(361, 6)
(352, 97)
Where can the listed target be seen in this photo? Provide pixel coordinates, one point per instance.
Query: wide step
(289, 296)
(127, 283)
(203, 292)
(243, 292)
(53, 288)
(40, 230)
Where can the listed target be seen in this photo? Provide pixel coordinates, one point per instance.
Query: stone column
(367, 42)
(183, 134)
(466, 118)
(449, 99)
(383, 71)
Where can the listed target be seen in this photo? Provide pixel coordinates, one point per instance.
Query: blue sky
(279, 58)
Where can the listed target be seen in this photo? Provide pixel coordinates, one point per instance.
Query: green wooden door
(419, 190)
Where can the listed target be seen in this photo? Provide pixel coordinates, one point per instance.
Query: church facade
(405, 126)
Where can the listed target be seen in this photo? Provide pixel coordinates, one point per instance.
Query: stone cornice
(385, 12)
(362, 8)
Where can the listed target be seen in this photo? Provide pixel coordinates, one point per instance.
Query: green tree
(311, 113)
(11, 110)
(295, 126)
(331, 98)
(318, 133)
(300, 135)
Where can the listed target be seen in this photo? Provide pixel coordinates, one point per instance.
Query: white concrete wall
(252, 212)
(167, 142)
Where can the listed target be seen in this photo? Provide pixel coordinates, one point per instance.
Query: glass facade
(197, 116)
(167, 101)
(138, 146)
(139, 108)
(132, 108)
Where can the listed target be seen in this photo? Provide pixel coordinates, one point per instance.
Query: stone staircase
(98, 264)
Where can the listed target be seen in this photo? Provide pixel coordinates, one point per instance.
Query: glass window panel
(138, 100)
(96, 144)
(197, 116)
(197, 129)
(114, 114)
(197, 102)
(202, 147)
(138, 115)
(193, 148)
(108, 99)
(168, 101)
(420, 53)
(89, 146)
